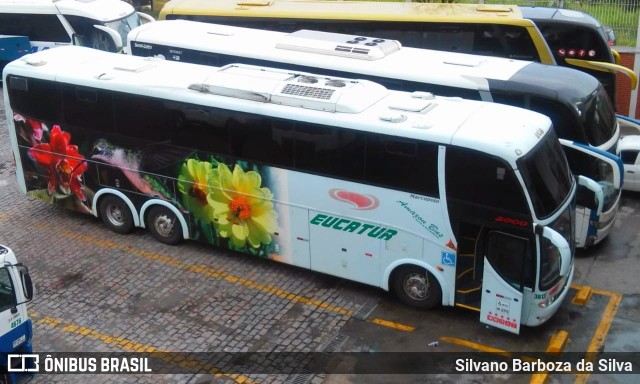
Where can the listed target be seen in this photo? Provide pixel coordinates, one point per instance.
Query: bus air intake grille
(305, 91)
(343, 48)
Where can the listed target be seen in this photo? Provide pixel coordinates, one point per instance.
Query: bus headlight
(548, 302)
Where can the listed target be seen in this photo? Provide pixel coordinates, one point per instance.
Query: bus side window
(142, 117)
(88, 108)
(329, 151)
(37, 27)
(198, 127)
(26, 96)
(629, 157)
(7, 295)
(260, 138)
(402, 164)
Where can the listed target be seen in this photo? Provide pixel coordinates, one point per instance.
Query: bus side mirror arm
(560, 243)
(115, 37)
(595, 188)
(145, 18)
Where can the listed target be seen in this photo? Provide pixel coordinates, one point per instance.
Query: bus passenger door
(506, 267)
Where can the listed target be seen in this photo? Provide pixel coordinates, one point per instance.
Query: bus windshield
(124, 25)
(546, 175)
(599, 118)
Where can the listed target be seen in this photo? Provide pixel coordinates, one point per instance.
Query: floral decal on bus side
(63, 163)
(235, 203)
(53, 154)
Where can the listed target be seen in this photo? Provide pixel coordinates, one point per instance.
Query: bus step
(469, 293)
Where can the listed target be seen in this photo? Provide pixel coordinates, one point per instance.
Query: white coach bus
(440, 200)
(577, 104)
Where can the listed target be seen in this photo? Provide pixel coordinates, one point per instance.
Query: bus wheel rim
(417, 286)
(163, 225)
(115, 214)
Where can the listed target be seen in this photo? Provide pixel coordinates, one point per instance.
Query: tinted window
(331, 151)
(87, 107)
(89, 36)
(546, 175)
(586, 164)
(565, 122)
(26, 95)
(629, 157)
(37, 27)
(601, 119)
(510, 257)
(143, 118)
(7, 295)
(200, 128)
(478, 178)
(403, 164)
(574, 41)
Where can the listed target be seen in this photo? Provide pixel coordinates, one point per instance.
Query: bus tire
(164, 225)
(417, 287)
(115, 214)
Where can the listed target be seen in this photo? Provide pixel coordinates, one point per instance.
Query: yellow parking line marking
(597, 341)
(215, 273)
(557, 343)
(391, 324)
(131, 346)
(476, 346)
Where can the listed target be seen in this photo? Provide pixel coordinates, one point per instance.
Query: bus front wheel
(417, 287)
(115, 214)
(164, 225)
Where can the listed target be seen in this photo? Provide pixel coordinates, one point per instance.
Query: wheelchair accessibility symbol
(448, 259)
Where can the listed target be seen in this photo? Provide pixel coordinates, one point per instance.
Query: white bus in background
(100, 24)
(438, 199)
(578, 105)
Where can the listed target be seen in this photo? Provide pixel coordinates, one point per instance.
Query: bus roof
(103, 10)
(559, 14)
(309, 48)
(503, 131)
(346, 10)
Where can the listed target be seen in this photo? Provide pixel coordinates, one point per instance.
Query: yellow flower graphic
(243, 211)
(192, 184)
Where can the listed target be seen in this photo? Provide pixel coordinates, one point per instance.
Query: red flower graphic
(64, 164)
(29, 129)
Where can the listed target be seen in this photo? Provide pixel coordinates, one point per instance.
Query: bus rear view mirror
(562, 246)
(27, 284)
(590, 194)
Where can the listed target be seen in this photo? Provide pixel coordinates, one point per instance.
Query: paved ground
(98, 291)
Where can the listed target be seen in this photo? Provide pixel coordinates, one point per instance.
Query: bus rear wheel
(164, 225)
(116, 215)
(417, 287)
